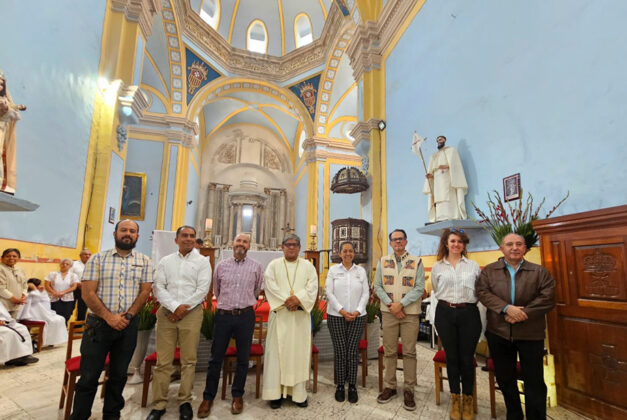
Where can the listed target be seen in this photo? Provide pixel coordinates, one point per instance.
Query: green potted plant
(317, 315)
(208, 317)
(373, 311)
(146, 320)
(206, 331)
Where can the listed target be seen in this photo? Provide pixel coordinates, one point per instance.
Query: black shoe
(155, 414)
(186, 412)
(30, 359)
(352, 394)
(340, 395)
(274, 404)
(302, 404)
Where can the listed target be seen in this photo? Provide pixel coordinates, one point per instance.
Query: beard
(124, 246)
(239, 252)
(441, 145)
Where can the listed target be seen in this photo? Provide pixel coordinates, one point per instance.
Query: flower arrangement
(148, 314)
(208, 317)
(317, 315)
(505, 219)
(372, 307)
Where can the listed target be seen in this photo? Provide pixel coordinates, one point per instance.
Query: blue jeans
(99, 340)
(240, 327)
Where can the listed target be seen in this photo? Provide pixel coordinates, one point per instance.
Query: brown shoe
(237, 406)
(386, 395)
(456, 407)
(408, 400)
(468, 411)
(204, 409)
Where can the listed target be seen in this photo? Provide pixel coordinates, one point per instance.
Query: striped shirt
(455, 285)
(118, 277)
(237, 284)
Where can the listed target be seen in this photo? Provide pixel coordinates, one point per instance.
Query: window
(210, 12)
(303, 33)
(257, 37)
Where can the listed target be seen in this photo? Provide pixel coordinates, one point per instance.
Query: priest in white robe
(37, 308)
(446, 184)
(15, 342)
(291, 287)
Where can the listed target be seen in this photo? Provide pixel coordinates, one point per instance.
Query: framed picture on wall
(511, 187)
(112, 215)
(133, 196)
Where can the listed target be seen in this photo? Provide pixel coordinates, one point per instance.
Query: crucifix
(287, 229)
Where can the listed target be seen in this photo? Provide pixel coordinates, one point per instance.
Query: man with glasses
(399, 283)
(291, 286)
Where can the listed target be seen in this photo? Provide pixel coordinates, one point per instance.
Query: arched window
(210, 12)
(303, 32)
(257, 37)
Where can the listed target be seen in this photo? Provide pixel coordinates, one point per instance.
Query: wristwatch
(128, 316)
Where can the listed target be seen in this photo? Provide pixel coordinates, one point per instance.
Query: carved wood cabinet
(587, 255)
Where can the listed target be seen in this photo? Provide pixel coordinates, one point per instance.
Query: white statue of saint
(446, 184)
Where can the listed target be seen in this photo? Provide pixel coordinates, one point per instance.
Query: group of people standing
(116, 283)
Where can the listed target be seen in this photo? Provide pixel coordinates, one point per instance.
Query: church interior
(283, 116)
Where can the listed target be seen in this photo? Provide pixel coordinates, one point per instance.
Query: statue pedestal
(12, 203)
(480, 238)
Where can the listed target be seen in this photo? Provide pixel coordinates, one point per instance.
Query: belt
(456, 305)
(234, 311)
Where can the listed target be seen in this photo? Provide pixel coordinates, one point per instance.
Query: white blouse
(347, 289)
(455, 285)
(60, 283)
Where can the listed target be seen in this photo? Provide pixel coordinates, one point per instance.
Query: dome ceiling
(274, 27)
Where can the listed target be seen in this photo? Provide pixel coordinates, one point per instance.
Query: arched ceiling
(279, 16)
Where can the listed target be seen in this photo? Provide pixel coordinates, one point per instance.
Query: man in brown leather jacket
(518, 295)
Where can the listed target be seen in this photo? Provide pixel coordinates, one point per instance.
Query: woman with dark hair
(12, 282)
(457, 318)
(9, 115)
(347, 291)
(61, 285)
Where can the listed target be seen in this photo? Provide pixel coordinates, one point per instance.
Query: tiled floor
(32, 392)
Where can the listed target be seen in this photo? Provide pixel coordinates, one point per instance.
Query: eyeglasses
(397, 239)
(457, 230)
(291, 245)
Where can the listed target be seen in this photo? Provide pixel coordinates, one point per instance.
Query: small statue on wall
(9, 114)
(446, 184)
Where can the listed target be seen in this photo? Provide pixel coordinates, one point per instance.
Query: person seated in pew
(16, 348)
(37, 308)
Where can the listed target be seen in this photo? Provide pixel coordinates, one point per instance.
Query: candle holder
(207, 239)
(313, 244)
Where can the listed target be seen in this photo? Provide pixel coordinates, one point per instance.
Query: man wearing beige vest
(399, 283)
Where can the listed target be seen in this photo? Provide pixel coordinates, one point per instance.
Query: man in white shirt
(77, 268)
(181, 283)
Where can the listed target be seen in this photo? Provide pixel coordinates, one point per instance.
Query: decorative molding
(361, 134)
(140, 11)
(372, 38)
(168, 126)
(317, 149)
(261, 66)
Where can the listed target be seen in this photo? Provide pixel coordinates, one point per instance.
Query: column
(253, 233)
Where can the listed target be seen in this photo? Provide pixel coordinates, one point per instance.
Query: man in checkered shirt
(115, 286)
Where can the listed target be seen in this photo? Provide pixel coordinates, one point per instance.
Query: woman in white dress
(60, 285)
(37, 308)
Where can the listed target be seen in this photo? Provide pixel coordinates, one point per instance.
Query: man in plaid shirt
(115, 286)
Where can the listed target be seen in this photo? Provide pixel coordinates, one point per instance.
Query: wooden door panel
(586, 254)
(595, 359)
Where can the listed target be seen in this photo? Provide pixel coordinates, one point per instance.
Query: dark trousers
(240, 327)
(64, 309)
(530, 352)
(345, 337)
(81, 308)
(459, 329)
(98, 341)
